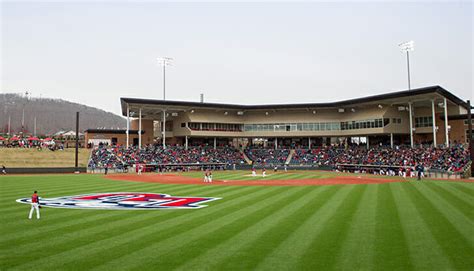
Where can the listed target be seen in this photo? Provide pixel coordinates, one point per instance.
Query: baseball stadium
(308, 151)
(374, 183)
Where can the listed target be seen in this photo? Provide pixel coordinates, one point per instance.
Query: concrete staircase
(290, 156)
(246, 158)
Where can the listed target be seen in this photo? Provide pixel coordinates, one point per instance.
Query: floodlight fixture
(407, 46)
(165, 61)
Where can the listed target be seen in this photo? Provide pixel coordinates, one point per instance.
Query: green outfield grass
(393, 226)
(246, 175)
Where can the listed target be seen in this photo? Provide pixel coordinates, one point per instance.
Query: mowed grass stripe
(357, 252)
(142, 233)
(238, 252)
(67, 221)
(461, 198)
(101, 188)
(288, 253)
(175, 241)
(416, 232)
(23, 209)
(444, 195)
(172, 254)
(71, 183)
(325, 248)
(84, 231)
(454, 244)
(118, 227)
(391, 248)
(467, 188)
(463, 223)
(48, 188)
(13, 183)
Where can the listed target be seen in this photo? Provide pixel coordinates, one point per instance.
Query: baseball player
(34, 205)
(264, 172)
(206, 176)
(254, 172)
(4, 170)
(209, 176)
(140, 168)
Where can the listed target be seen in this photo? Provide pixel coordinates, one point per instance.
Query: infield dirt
(177, 179)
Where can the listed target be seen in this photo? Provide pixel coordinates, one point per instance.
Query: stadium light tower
(407, 47)
(164, 61)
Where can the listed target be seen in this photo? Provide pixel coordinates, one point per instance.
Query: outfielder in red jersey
(34, 205)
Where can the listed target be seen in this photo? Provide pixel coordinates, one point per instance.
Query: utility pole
(77, 143)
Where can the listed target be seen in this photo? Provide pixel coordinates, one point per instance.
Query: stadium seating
(115, 157)
(267, 156)
(452, 159)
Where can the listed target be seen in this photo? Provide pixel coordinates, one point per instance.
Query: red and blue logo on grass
(123, 201)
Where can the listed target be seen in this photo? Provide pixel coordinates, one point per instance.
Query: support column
(368, 143)
(309, 143)
(446, 122)
(470, 135)
(215, 143)
(140, 128)
(128, 127)
(433, 116)
(164, 129)
(410, 117)
(186, 142)
(276, 143)
(391, 140)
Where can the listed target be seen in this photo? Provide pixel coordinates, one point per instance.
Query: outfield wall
(43, 170)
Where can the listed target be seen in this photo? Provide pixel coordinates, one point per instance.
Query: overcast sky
(249, 53)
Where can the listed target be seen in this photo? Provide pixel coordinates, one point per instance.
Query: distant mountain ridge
(52, 115)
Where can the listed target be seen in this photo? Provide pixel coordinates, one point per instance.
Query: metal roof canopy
(152, 107)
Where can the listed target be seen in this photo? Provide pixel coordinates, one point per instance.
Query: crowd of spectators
(454, 158)
(31, 142)
(261, 156)
(117, 157)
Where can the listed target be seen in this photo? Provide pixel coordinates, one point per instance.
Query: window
(222, 127)
(194, 126)
(423, 122)
(183, 124)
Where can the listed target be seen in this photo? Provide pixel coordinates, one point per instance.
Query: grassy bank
(21, 157)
